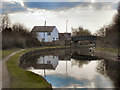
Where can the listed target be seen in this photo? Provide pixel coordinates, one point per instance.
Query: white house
(48, 62)
(46, 33)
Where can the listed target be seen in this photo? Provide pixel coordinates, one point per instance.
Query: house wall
(48, 38)
(49, 60)
(55, 34)
(41, 35)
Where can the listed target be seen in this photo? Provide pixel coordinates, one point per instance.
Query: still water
(70, 69)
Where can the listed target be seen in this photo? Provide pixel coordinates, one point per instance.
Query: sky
(90, 14)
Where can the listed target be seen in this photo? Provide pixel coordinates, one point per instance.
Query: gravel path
(6, 78)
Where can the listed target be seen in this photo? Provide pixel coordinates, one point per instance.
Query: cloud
(68, 5)
(106, 0)
(21, 2)
(78, 14)
(51, 5)
(13, 6)
(10, 7)
(71, 0)
(99, 82)
(57, 0)
(57, 6)
(87, 18)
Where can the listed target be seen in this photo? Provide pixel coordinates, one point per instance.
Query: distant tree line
(110, 34)
(80, 31)
(16, 35)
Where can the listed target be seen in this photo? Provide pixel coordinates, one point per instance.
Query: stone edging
(26, 55)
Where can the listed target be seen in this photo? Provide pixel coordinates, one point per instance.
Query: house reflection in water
(48, 62)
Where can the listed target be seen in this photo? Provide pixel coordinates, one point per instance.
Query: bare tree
(101, 32)
(5, 22)
(116, 19)
(17, 27)
(80, 31)
(110, 34)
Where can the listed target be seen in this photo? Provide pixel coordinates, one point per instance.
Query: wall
(55, 34)
(40, 36)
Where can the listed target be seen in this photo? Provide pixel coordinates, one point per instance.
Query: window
(48, 62)
(48, 33)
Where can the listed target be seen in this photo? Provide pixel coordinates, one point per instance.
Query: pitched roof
(65, 35)
(43, 28)
(44, 66)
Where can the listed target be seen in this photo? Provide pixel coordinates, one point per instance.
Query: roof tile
(43, 28)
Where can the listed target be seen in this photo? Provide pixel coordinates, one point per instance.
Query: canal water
(71, 69)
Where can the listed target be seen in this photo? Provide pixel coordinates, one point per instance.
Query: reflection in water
(110, 69)
(79, 63)
(61, 69)
(48, 62)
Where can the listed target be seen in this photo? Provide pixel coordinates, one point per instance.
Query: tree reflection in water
(79, 63)
(110, 69)
(101, 67)
(69, 68)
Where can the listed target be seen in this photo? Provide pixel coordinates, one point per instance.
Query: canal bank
(26, 79)
(109, 54)
(66, 68)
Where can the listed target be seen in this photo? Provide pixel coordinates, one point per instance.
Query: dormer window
(48, 33)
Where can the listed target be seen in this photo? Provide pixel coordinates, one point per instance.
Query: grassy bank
(22, 78)
(108, 49)
(7, 52)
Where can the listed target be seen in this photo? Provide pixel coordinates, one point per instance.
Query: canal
(73, 69)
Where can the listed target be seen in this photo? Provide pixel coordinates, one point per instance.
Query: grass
(108, 49)
(7, 52)
(25, 79)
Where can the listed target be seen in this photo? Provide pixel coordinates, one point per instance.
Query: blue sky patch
(51, 5)
(8, 7)
(59, 80)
